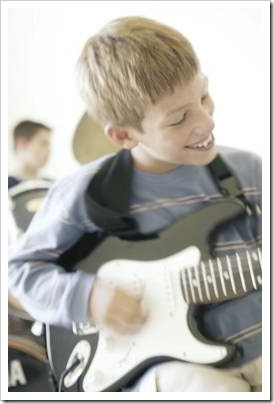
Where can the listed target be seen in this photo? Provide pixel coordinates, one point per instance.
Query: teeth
(203, 144)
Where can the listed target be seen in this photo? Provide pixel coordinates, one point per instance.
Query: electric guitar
(176, 271)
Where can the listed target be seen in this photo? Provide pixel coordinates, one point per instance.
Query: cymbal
(89, 141)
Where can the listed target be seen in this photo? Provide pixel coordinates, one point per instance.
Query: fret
(241, 271)
(259, 279)
(260, 256)
(185, 286)
(219, 265)
(224, 278)
(236, 274)
(231, 275)
(258, 261)
(198, 283)
(210, 280)
(254, 256)
(245, 271)
(258, 210)
(191, 285)
(213, 278)
(250, 266)
(205, 280)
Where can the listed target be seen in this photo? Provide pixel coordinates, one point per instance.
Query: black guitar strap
(108, 196)
(107, 202)
(227, 182)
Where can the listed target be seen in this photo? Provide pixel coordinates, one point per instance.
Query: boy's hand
(112, 306)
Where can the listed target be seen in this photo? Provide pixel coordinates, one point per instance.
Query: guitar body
(155, 265)
(164, 337)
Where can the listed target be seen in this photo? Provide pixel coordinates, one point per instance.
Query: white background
(45, 40)
(40, 43)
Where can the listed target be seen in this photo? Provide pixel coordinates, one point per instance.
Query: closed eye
(178, 122)
(204, 97)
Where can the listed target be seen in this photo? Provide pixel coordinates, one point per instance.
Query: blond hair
(131, 63)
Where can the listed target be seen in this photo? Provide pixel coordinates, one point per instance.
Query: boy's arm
(49, 293)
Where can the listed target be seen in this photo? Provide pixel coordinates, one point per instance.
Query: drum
(28, 366)
(24, 200)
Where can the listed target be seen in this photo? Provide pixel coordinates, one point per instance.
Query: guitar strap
(107, 202)
(227, 182)
(108, 195)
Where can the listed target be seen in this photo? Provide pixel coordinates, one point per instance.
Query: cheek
(179, 138)
(39, 153)
(210, 106)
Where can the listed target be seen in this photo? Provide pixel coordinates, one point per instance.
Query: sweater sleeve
(45, 290)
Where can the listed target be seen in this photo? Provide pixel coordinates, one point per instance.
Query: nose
(204, 124)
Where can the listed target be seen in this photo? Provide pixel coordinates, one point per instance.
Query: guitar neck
(222, 278)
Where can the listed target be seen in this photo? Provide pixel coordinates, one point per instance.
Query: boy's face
(177, 130)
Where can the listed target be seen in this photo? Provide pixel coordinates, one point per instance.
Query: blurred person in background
(32, 149)
(31, 144)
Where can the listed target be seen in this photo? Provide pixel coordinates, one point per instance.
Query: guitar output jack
(82, 352)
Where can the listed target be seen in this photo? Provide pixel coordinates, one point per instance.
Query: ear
(121, 136)
(21, 143)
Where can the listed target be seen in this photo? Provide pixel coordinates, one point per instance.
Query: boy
(142, 81)
(32, 148)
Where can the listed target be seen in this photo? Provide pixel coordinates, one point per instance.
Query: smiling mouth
(204, 145)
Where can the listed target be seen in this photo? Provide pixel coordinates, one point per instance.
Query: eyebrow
(182, 107)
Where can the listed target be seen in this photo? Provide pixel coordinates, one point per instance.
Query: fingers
(118, 309)
(126, 314)
(124, 327)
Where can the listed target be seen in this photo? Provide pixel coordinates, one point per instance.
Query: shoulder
(247, 165)
(77, 182)
(67, 195)
(237, 155)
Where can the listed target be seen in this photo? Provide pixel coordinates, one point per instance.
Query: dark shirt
(13, 181)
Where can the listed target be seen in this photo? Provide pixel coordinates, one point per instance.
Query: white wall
(45, 39)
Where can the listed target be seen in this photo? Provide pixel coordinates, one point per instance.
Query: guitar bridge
(84, 328)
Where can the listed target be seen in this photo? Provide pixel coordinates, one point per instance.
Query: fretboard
(222, 278)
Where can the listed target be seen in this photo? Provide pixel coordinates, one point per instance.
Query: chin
(212, 153)
(205, 158)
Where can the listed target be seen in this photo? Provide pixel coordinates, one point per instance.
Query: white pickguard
(166, 332)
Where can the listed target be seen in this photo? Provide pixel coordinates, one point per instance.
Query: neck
(144, 161)
(26, 171)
